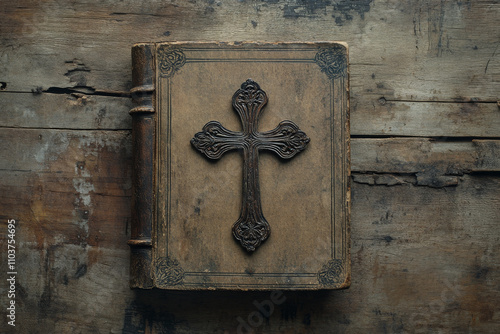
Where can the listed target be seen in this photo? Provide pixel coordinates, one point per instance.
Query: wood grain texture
(402, 52)
(76, 109)
(425, 210)
(66, 111)
(419, 254)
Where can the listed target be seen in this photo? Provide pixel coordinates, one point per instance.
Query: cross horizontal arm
(286, 140)
(214, 140)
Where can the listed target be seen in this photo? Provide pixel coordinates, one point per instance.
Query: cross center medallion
(286, 140)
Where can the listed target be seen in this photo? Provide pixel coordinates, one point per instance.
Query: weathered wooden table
(425, 124)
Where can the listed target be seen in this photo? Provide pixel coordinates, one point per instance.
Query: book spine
(143, 138)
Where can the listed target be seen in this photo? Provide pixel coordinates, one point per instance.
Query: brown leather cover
(185, 205)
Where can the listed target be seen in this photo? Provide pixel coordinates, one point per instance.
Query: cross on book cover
(241, 166)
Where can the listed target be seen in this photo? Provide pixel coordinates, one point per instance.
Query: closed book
(241, 166)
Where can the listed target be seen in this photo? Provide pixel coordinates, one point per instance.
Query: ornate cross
(286, 140)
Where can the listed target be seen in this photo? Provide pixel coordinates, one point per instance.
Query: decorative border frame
(168, 272)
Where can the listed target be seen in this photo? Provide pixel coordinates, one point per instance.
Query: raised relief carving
(286, 140)
(330, 273)
(170, 60)
(332, 61)
(168, 272)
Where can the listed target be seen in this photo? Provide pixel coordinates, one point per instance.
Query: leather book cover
(241, 166)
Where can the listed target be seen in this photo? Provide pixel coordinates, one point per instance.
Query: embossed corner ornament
(168, 272)
(170, 60)
(332, 61)
(331, 273)
(286, 140)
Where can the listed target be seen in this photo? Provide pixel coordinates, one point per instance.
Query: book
(241, 166)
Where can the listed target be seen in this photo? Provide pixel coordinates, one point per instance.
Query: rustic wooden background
(425, 123)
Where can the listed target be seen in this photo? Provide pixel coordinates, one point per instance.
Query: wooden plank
(65, 111)
(414, 155)
(55, 181)
(421, 161)
(416, 51)
(379, 117)
(86, 111)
